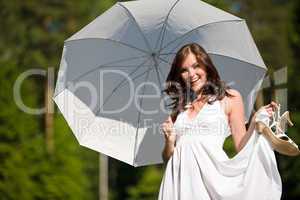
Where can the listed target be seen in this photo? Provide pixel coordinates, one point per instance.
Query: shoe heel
(279, 141)
(286, 115)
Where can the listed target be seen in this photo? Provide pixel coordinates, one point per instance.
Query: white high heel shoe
(275, 134)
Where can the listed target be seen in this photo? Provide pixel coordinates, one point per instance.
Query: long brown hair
(180, 93)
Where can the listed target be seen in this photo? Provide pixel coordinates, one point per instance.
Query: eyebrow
(196, 63)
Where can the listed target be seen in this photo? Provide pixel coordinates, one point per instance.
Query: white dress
(199, 169)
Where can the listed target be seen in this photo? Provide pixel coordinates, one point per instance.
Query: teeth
(195, 80)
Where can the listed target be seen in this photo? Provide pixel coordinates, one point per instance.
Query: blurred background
(39, 156)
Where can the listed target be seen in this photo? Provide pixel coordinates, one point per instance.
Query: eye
(182, 70)
(197, 65)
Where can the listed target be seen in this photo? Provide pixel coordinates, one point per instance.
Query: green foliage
(224, 5)
(228, 147)
(148, 185)
(289, 166)
(32, 35)
(27, 171)
(269, 29)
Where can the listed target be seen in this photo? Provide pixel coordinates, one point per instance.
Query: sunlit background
(39, 156)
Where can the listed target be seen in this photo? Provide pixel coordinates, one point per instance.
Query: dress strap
(224, 108)
(224, 104)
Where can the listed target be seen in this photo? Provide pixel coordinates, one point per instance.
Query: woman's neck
(200, 97)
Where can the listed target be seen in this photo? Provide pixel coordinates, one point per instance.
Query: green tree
(32, 37)
(148, 184)
(274, 25)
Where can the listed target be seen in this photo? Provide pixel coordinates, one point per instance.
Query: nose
(191, 72)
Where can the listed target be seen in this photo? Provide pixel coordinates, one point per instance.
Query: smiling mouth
(193, 82)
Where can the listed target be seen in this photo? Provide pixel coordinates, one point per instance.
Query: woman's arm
(237, 120)
(249, 132)
(168, 150)
(170, 138)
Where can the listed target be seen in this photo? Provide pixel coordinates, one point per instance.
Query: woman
(197, 166)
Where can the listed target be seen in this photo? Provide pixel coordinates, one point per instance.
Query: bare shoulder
(235, 97)
(234, 101)
(234, 93)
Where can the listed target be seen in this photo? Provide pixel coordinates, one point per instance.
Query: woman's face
(193, 73)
